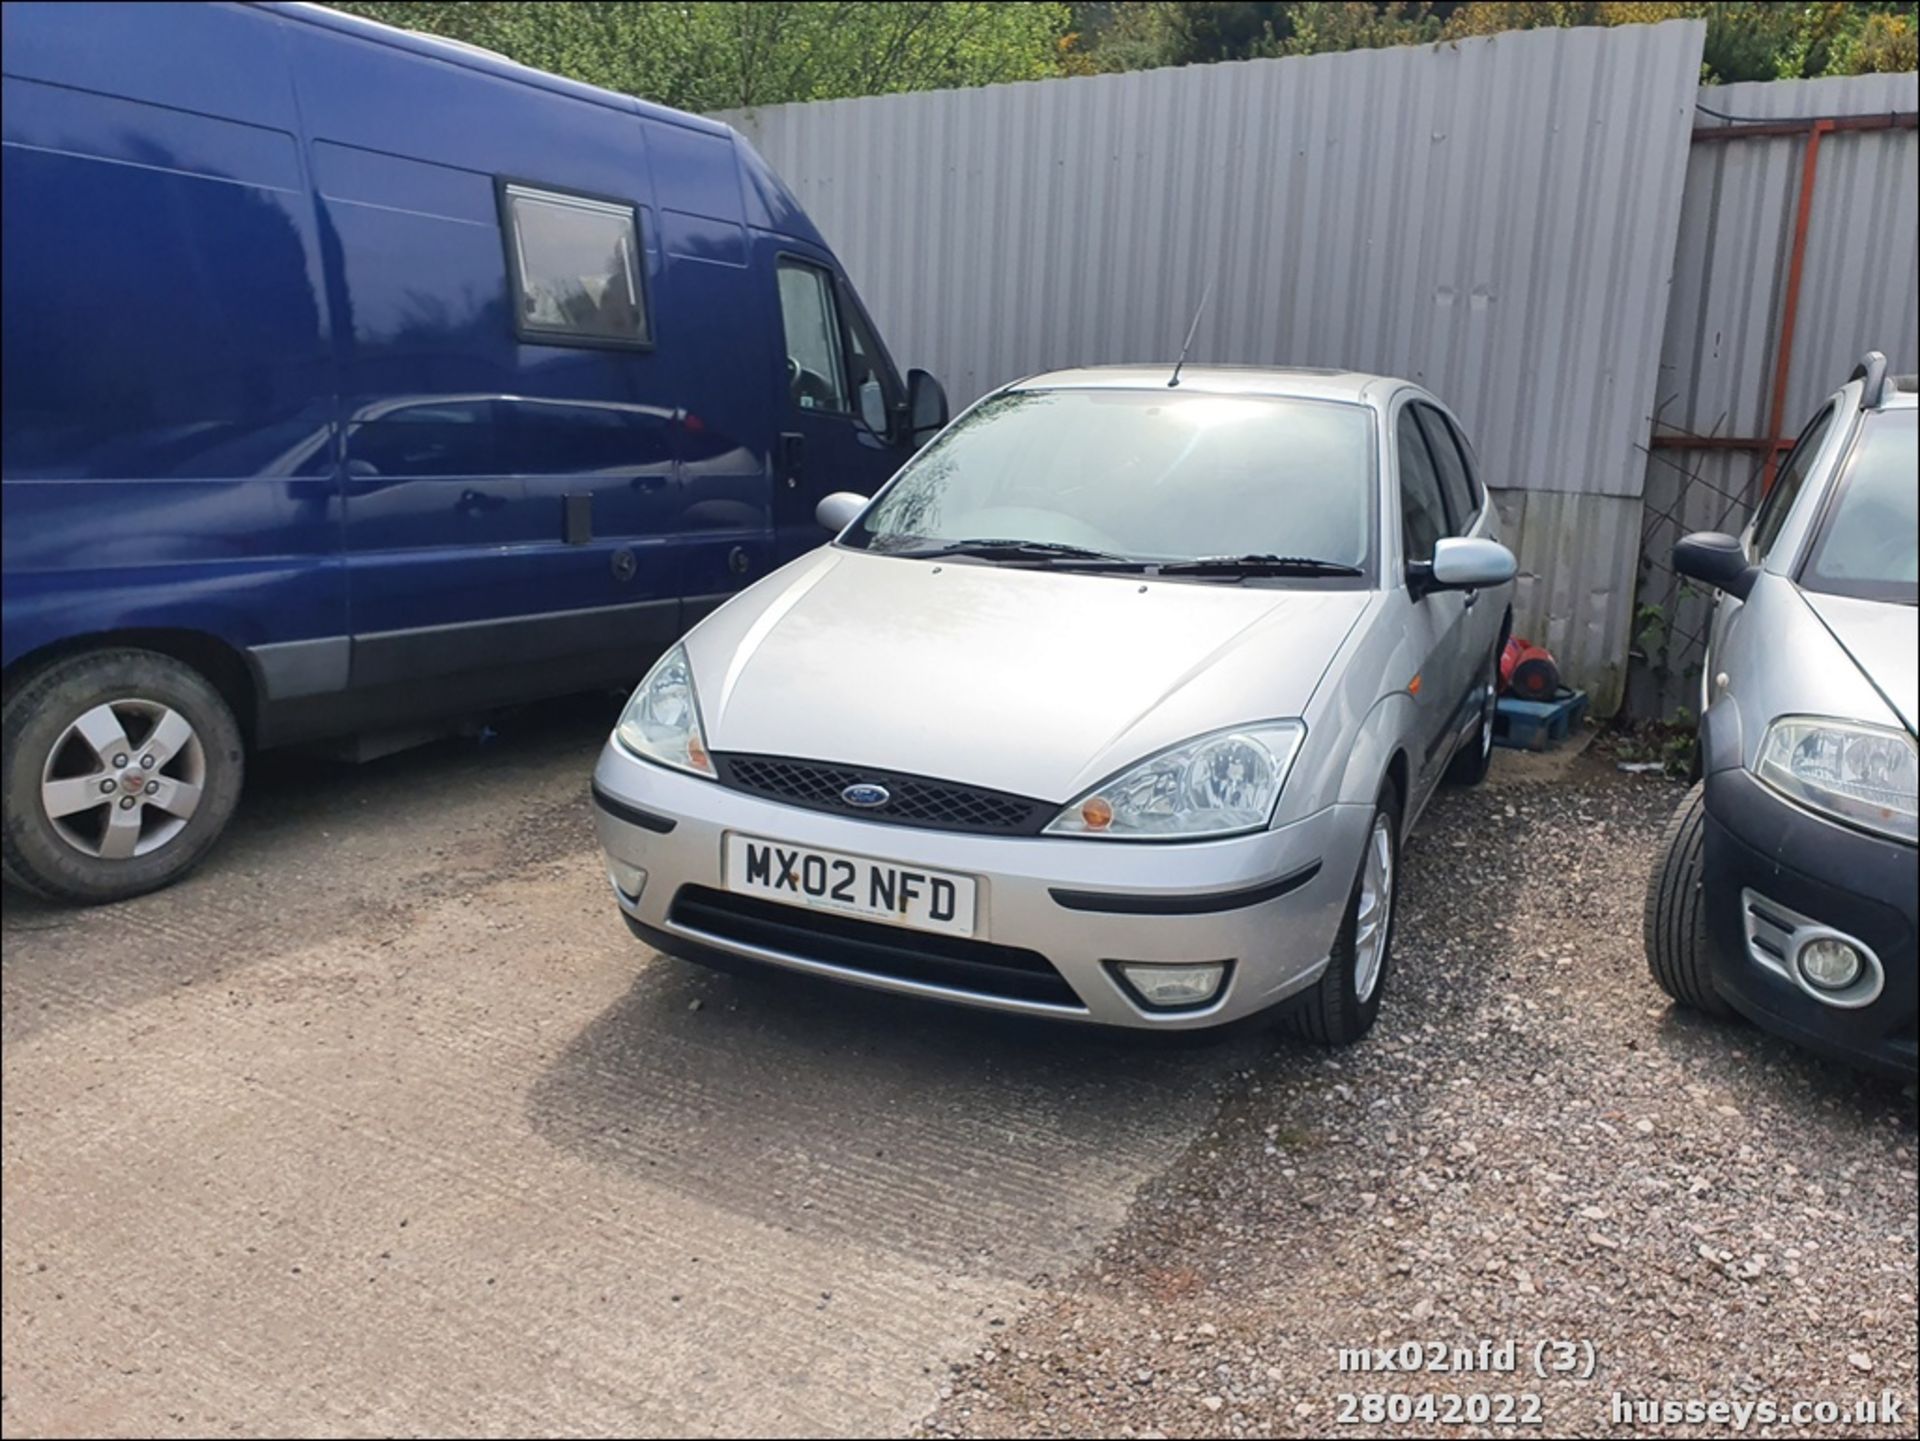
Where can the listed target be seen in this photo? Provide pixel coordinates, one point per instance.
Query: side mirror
(837, 511)
(1460, 563)
(926, 407)
(1717, 559)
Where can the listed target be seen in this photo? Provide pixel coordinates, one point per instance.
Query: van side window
(1786, 485)
(1462, 505)
(574, 268)
(876, 389)
(816, 379)
(1423, 515)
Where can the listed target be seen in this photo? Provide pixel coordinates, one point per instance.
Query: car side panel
(1360, 717)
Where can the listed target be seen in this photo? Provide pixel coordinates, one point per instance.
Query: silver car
(1785, 886)
(1114, 705)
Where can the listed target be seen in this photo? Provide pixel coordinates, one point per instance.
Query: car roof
(1301, 383)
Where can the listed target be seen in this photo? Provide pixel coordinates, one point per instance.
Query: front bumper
(1286, 890)
(1768, 861)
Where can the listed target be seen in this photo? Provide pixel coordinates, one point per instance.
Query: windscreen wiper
(1243, 565)
(1042, 551)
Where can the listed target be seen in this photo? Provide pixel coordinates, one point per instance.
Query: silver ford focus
(1114, 705)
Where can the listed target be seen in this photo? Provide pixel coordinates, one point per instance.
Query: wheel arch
(1379, 753)
(226, 668)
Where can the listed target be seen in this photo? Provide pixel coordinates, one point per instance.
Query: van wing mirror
(1717, 559)
(926, 407)
(1468, 563)
(838, 511)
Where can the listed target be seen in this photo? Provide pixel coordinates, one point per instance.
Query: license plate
(851, 885)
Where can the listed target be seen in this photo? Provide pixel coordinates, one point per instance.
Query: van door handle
(792, 445)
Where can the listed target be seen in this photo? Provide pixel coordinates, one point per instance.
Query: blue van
(356, 379)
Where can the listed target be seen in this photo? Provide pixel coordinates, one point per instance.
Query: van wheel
(1473, 760)
(121, 770)
(1343, 1003)
(1679, 946)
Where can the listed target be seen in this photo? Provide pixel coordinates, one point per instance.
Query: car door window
(1787, 484)
(1423, 514)
(1455, 487)
(1474, 487)
(816, 378)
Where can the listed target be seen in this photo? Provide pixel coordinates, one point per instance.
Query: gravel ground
(1531, 1146)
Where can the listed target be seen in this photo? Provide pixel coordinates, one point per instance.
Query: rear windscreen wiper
(1237, 565)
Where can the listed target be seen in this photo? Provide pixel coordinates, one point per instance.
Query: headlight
(662, 720)
(1866, 775)
(1215, 786)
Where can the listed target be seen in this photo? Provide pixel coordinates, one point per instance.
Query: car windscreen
(1149, 475)
(1866, 545)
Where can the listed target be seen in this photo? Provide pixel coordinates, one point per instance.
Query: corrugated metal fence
(1860, 291)
(1495, 218)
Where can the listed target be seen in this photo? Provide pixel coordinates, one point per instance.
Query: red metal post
(1796, 262)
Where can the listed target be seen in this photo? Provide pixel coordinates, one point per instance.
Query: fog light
(628, 880)
(1830, 964)
(1166, 987)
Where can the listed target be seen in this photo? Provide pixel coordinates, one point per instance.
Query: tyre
(1473, 760)
(1341, 1006)
(1679, 947)
(121, 768)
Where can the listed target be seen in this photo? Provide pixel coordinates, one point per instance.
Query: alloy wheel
(113, 797)
(1375, 911)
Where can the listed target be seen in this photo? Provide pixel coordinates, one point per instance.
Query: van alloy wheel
(113, 797)
(119, 768)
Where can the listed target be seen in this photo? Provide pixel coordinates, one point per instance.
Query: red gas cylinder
(1528, 671)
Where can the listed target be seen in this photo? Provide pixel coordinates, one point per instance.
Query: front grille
(912, 800)
(958, 962)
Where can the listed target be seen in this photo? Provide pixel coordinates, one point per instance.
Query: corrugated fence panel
(1860, 291)
(1495, 219)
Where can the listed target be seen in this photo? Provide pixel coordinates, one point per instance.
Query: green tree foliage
(713, 56)
(1745, 40)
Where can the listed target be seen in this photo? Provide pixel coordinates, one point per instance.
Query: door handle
(792, 443)
(1472, 597)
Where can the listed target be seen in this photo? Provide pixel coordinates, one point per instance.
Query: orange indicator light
(1096, 812)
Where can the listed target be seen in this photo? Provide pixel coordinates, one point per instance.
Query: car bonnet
(1036, 682)
(1883, 639)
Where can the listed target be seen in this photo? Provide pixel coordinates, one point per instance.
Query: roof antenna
(1199, 310)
